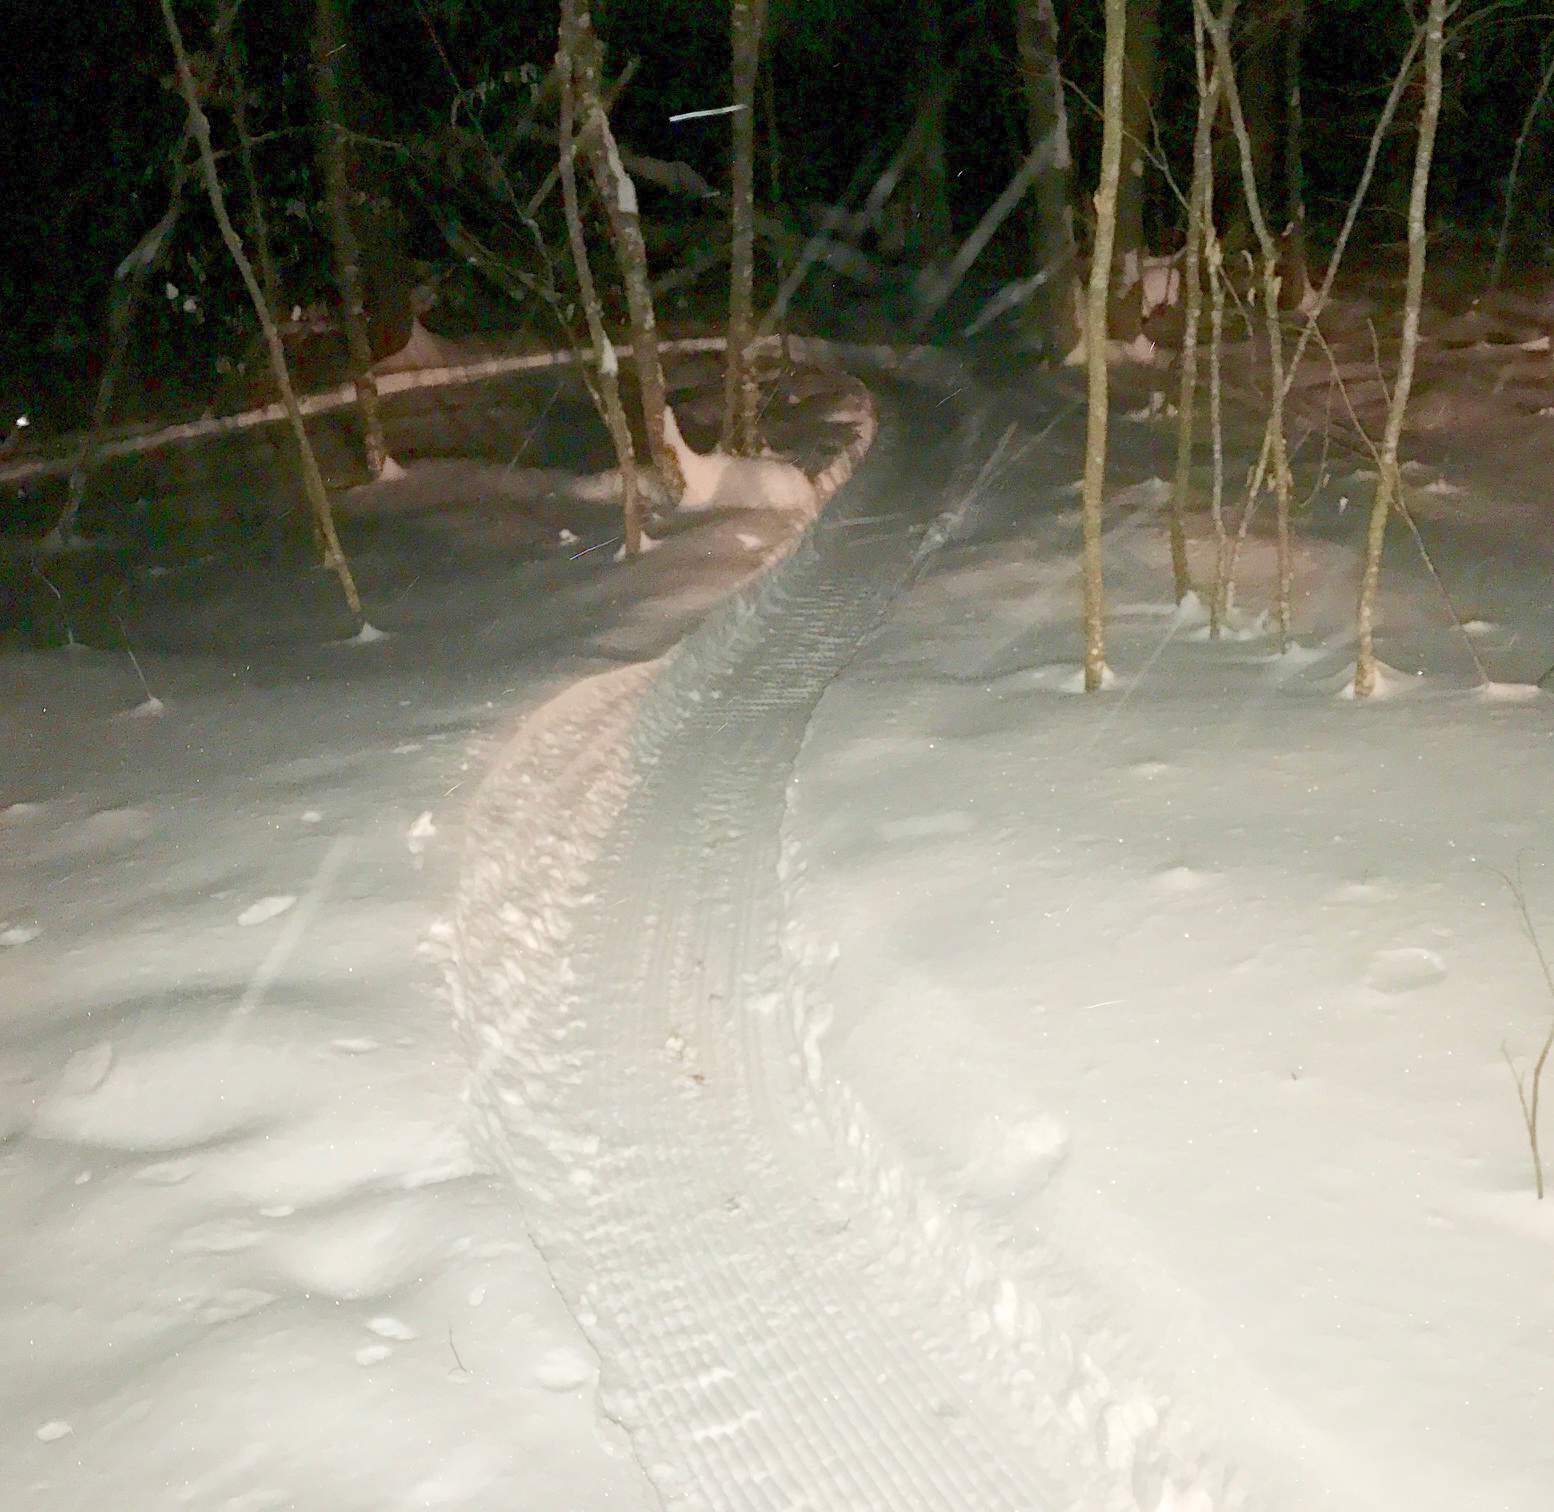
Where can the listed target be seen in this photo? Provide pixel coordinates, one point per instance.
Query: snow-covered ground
(1199, 992)
(516, 1063)
(251, 1261)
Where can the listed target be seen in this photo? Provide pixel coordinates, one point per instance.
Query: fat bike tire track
(764, 1339)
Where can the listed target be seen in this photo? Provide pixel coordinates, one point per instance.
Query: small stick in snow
(1529, 1089)
(59, 598)
(152, 703)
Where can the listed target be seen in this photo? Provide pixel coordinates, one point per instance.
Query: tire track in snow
(766, 1337)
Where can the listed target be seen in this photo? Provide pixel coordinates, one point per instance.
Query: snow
(253, 1261)
(1126, 1082)
(1204, 983)
(254, 1239)
(625, 189)
(719, 481)
(1161, 278)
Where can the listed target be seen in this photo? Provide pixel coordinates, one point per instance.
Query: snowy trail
(745, 1324)
(767, 1336)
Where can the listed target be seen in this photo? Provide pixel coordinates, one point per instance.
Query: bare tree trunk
(740, 396)
(1095, 337)
(1219, 597)
(1295, 280)
(1278, 459)
(1387, 470)
(773, 134)
(259, 222)
(1261, 57)
(1138, 99)
(1380, 133)
(774, 177)
(123, 306)
(318, 495)
(937, 285)
(1497, 267)
(553, 175)
(328, 44)
(608, 393)
(1052, 242)
(618, 195)
(1200, 223)
(928, 232)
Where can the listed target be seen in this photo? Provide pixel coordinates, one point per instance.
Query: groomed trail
(782, 1320)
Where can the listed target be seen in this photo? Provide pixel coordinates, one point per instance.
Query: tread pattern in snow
(764, 1336)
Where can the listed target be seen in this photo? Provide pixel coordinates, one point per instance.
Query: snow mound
(716, 481)
(1503, 692)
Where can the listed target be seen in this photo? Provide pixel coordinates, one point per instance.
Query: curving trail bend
(782, 1321)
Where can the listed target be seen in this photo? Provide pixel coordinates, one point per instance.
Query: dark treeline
(92, 119)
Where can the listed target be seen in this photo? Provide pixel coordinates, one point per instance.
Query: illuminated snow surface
(519, 1063)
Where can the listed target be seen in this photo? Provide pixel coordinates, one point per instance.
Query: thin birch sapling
(937, 284)
(1275, 445)
(607, 392)
(1387, 481)
(1223, 592)
(1200, 226)
(131, 280)
(1529, 1088)
(531, 207)
(259, 221)
(617, 195)
(1141, 49)
(1502, 239)
(313, 481)
(328, 44)
(1297, 281)
(1400, 504)
(538, 279)
(130, 283)
(1094, 626)
(1052, 241)
(1219, 595)
(740, 395)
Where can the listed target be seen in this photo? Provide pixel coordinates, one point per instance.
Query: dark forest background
(91, 120)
